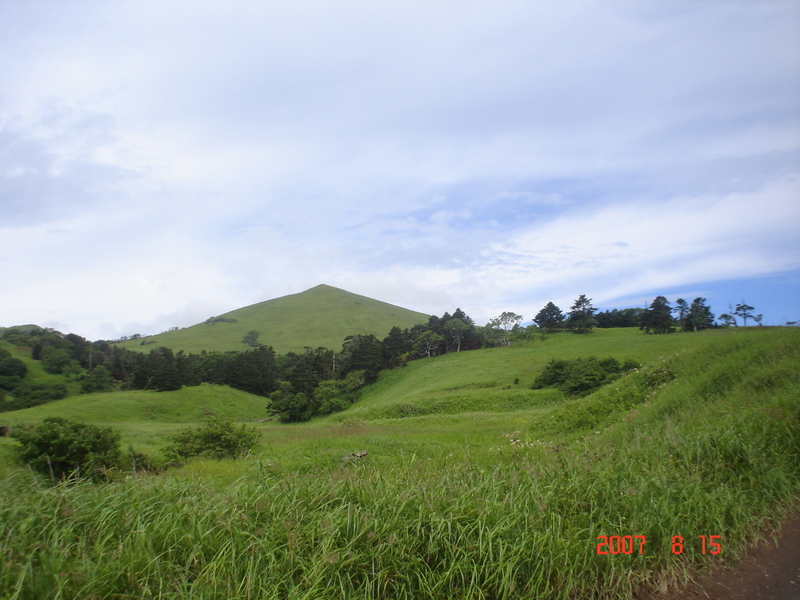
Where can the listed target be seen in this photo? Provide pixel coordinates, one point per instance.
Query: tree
(55, 360)
(251, 339)
(428, 342)
(581, 316)
(700, 315)
(396, 345)
(290, 406)
(162, 374)
(626, 317)
(504, 324)
(98, 380)
(550, 317)
(744, 311)
(12, 371)
(682, 311)
(658, 318)
(455, 329)
(362, 353)
(727, 320)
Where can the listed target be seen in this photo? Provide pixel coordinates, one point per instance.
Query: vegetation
(319, 317)
(581, 376)
(62, 448)
(215, 438)
(478, 502)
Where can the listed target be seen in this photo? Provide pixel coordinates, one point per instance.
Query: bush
(28, 394)
(216, 438)
(61, 448)
(581, 376)
(12, 371)
(98, 379)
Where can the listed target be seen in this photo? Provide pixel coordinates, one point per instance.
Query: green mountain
(322, 316)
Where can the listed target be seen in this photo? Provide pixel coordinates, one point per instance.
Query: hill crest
(321, 316)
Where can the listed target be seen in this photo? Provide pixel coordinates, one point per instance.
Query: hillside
(321, 316)
(473, 486)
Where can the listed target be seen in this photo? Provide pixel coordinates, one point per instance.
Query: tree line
(315, 381)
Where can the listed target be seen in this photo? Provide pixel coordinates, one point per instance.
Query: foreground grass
(484, 505)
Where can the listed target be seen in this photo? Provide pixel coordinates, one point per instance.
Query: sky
(164, 162)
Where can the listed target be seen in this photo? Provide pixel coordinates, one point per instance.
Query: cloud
(157, 160)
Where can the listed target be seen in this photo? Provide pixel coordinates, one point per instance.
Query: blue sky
(163, 162)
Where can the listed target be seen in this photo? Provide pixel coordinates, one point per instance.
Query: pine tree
(658, 318)
(581, 317)
(550, 317)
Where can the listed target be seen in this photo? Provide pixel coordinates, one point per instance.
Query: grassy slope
(145, 418)
(36, 372)
(322, 316)
(503, 503)
(483, 380)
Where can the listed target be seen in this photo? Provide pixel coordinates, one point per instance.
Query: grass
(491, 503)
(320, 317)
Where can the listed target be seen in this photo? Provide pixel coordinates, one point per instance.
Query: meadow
(474, 485)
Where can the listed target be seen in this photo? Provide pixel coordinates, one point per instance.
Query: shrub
(215, 438)
(581, 376)
(28, 394)
(12, 371)
(61, 448)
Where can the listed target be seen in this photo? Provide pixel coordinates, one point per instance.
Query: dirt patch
(767, 572)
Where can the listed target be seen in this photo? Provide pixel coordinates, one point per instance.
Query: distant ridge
(320, 316)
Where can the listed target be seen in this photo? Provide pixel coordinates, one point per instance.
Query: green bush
(61, 448)
(215, 438)
(581, 376)
(28, 394)
(12, 371)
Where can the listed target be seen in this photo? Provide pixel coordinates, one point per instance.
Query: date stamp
(629, 544)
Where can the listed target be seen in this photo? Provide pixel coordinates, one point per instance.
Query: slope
(471, 505)
(321, 316)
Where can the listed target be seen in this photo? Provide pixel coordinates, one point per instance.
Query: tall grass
(705, 443)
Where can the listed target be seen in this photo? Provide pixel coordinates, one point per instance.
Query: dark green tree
(12, 371)
(396, 347)
(55, 360)
(290, 406)
(626, 317)
(162, 372)
(550, 317)
(362, 353)
(581, 316)
(98, 379)
(700, 315)
(658, 318)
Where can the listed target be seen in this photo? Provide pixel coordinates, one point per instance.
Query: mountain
(320, 316)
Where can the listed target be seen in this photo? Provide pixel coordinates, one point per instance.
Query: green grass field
(320, 317)
(473, 487)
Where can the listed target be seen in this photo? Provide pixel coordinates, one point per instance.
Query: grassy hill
(321, 316)
(474, 486)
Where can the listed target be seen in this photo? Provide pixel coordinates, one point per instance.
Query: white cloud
(158, 160)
